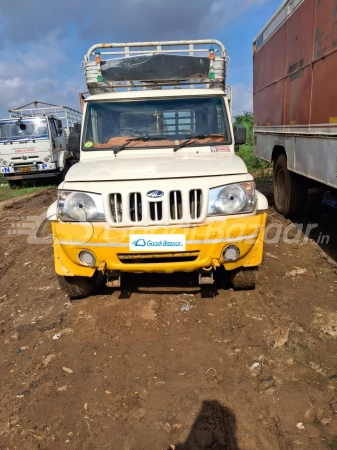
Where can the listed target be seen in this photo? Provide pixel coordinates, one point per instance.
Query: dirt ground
(129, 370)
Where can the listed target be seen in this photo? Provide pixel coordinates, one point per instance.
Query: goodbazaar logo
(159, 243)
(139, 243)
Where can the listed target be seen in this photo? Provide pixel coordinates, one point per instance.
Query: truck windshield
(14, 129)
(157, 123)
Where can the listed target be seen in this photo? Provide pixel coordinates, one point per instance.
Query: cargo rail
(155, 65)
(67, 115)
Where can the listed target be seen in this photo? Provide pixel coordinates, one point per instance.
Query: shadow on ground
(321, 219)
(213, 429)
(171, 284)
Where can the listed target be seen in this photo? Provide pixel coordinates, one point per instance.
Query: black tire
(313, 205)
(14, 184)
(77, 287)
(289, 190)
(244, 279)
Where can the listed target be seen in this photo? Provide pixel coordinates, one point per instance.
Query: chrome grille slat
(156, 211)
(136, 205)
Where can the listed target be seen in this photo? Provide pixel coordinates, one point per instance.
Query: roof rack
(155, 65)
(68, 115)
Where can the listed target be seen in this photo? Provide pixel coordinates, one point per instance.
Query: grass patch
(253, 163)
(6, 193)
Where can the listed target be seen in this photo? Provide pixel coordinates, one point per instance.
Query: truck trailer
(295, 101)
(34, 142)
(158, 188)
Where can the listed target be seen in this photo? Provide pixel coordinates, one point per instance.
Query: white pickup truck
(34, 142)
(158, 187)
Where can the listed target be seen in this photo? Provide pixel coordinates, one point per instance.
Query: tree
(247, 150)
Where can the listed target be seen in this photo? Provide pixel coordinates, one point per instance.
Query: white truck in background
(34, 142)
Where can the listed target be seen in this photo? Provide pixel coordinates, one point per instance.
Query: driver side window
(53, 128)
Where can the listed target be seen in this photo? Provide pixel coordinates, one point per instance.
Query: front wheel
(77, 287)
(244, 279)
(14, 184)
(289, 192)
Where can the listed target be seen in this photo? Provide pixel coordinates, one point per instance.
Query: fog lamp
(231, 253)
(87, 258)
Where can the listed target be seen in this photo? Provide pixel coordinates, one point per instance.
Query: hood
(155, 167)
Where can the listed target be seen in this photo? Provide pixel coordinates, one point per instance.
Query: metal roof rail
(155, 65)
(69, 116)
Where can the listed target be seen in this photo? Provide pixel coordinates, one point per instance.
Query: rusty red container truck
(295, 101)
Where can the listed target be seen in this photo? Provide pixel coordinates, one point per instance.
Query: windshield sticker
(220, 149)
(88, 144)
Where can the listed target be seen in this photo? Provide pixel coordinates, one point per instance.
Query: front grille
(156, 211)
(176, 205)
(179, 206)
(116, 208)
(195, 203)
(136, 212)
(157, 258)
(15, 158)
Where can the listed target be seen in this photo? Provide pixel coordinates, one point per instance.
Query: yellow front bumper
(206, 242)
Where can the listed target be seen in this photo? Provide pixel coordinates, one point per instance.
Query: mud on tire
(244, 279)
(77, 287)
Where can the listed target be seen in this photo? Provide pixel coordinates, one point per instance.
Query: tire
(313, 205)
(61, 176)
(244, 279)
(289, 190)
(77, 287)
(14, 184)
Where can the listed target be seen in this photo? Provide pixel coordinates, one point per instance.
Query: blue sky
(42, 44)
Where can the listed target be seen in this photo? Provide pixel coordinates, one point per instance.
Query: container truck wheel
(244, 279)
(13, 184)
(77, 287)
(288, 189)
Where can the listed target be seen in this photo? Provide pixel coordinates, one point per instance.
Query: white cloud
(34, 35)
(32, 74)
(242, 99)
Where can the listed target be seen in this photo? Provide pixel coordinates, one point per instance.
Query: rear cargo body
(295, 92)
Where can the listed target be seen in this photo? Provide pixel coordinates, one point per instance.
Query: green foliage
(247, 151)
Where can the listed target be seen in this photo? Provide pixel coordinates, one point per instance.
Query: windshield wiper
(191, 138)
(139, 138)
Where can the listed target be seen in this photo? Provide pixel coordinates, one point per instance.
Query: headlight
(235, 198)
(80, 207)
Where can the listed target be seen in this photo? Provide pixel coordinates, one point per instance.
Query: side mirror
(74, 141)
(240, 135)
(59, 123)
(60, 131)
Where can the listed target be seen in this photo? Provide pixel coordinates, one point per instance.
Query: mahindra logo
(155, 194)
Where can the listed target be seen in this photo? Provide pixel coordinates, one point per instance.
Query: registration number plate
(25, 169)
